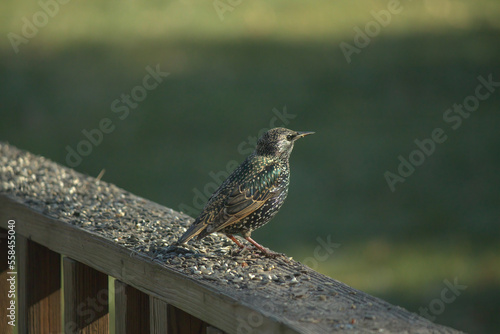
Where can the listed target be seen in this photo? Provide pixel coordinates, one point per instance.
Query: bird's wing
(247, 197)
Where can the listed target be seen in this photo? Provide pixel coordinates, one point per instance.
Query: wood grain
(158, 316)
(131, 310)
(180, 322)
(39, 288)
(85, 299)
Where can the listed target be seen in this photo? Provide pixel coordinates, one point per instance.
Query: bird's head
(278, 142)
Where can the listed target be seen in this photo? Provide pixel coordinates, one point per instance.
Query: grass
(227, 77)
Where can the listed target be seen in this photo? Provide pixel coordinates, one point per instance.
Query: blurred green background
(230, 70)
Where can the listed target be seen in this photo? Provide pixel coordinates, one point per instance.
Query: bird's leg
(230, 236)
(265, 251)
(240, 245)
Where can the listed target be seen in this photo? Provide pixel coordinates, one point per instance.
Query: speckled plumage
(252, 194)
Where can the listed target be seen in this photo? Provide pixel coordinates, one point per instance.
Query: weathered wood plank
(213, 330)
(39, 278)
(94, 222)
(5, 286)
(131, 309)
(158, 316)
(85, 299)
(180, 322)
(22, 291)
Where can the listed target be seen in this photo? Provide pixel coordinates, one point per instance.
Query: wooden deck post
(39, 288)
(158, 316)
(131, 310)
(180, 322)
(85, 299)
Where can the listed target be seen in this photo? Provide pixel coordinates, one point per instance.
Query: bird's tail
(192, 232)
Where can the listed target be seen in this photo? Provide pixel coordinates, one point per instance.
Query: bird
(252, 194)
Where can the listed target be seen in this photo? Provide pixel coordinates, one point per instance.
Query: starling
(252, 194)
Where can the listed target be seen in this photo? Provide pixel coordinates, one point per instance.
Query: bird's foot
(242, 251)
(266, 252)
(258, 252)
(270, 254)
(273, 255)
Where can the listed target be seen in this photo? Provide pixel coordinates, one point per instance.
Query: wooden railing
(83, 245)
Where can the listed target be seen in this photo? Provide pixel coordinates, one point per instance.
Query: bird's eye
(289, 137)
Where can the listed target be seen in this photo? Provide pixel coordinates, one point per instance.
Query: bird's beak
(301, 134)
